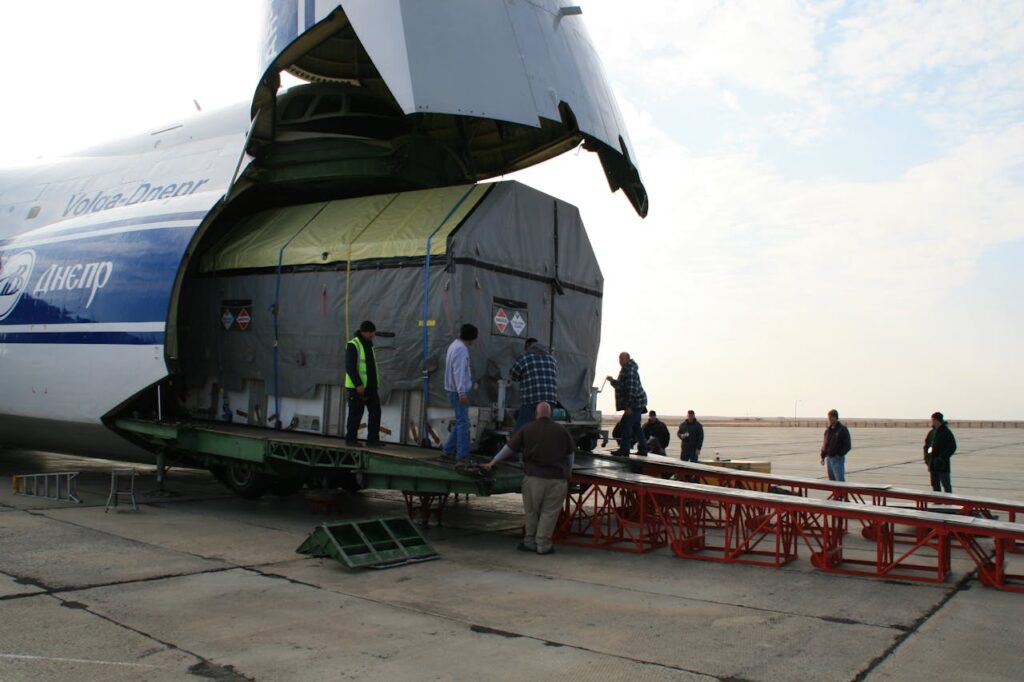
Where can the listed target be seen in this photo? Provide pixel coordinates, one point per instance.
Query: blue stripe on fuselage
(144, 220)
(91, 338)
(122, 277)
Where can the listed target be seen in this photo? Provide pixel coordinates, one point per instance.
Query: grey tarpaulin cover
(511, 260)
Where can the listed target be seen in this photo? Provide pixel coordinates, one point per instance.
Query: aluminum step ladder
(57, 485)
(122, 484)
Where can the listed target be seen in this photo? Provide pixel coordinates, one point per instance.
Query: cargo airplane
(104, 254)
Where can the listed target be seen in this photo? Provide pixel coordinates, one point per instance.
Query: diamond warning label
(518, 324)
(510, 318)
(235, 315)
(501, 320)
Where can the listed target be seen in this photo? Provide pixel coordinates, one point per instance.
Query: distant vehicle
(213, 268)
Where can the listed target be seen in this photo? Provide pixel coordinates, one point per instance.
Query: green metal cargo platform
(415, 471)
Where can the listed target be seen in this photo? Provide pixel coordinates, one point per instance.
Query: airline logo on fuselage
(81, 204)
(92, 276)
(14, 274)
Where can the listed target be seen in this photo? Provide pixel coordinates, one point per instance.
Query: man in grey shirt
(547, 449)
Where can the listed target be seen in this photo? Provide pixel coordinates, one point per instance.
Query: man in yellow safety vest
(362, 379)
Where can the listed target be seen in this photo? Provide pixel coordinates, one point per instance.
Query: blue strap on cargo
(424, 439)
(275, 311)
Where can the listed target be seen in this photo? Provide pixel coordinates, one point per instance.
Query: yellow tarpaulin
(383, 226)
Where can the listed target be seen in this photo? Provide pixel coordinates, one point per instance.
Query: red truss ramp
(609, 508)
(861, 493)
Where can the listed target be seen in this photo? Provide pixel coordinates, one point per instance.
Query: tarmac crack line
(47, 590)
(484, 629)
(150, 545)
(960, 586)
(203, 666)
(761, 609)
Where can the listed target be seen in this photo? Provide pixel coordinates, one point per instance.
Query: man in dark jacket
(362, 379)
(547, 449)
(691, 435)
(656, 434)
(939, 446)
(631, 400)
(835, 446)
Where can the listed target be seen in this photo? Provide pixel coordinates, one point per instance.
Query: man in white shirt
(458, 382)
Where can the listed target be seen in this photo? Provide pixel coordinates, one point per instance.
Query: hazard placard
(501, 320)
(518, 323)
(235, 316)
(509, 318)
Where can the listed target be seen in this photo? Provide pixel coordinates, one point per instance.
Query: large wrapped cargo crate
(266, 315)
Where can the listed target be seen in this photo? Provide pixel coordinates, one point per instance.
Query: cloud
(670, 46)
(730, 100)
(742, 287)
(962, 60)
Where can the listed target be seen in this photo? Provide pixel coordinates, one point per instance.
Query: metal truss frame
(860, 493)
(615, 510)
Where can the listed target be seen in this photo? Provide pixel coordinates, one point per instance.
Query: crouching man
(547, 451)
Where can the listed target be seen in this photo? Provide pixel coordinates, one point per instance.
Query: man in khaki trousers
(547, 451)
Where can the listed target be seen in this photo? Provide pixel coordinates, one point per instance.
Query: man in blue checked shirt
(537, 373)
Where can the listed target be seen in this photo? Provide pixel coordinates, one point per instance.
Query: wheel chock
(369, 543)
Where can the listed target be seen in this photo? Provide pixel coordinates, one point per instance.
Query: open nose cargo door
(498, 85)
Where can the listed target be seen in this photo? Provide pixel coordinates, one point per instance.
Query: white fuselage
(90, 247)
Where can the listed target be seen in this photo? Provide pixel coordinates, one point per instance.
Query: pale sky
(837, 189)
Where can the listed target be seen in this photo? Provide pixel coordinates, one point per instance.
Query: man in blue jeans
(631, 398)
(835, 446)
(458, 382)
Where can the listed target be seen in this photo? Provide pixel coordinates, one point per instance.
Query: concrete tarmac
(201, 584)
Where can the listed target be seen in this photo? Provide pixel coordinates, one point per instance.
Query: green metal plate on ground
(370, 543)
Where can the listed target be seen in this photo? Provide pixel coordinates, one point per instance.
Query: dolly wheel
(247, 483)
